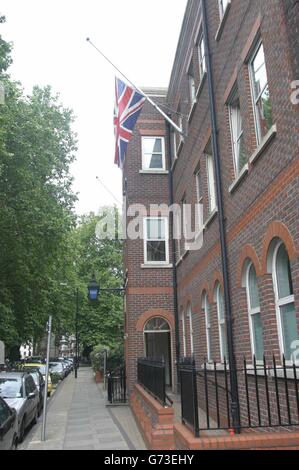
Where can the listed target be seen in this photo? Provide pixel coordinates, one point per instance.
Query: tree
(37, 146)
(102, 322)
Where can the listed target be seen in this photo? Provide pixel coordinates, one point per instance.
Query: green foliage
(37, 146)
(5, 49)
(100, 322)
(55, 377)
(116, 358)
(43, 245)
(97, 357)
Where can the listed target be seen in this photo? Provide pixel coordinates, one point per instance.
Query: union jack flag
(128, 104)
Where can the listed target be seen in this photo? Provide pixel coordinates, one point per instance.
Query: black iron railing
(116, 387)
(267, 395)
(151, 374)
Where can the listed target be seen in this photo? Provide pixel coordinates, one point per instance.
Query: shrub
(115, 359)
(97, 357)
(55, 378)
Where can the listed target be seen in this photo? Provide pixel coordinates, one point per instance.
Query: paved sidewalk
(78, 419)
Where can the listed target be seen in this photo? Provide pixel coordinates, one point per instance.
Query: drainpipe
(173, 249)
(235, 410)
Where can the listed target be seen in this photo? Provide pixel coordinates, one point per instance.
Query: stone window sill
(270, 372)
(210, 366)
(264, 144)
(153, 172)
(156, 266)
(223, 21)
(239, 178)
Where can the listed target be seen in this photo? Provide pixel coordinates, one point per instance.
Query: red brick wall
(148, 289)
(267, 194)
(154, 421)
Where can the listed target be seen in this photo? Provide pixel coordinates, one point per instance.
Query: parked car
(58, 368)
(40, 385)
(70, 364)
(19, 391)
(8, 427)
(42, 369)
(65, 364)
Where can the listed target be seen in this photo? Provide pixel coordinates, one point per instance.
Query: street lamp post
(94, 289)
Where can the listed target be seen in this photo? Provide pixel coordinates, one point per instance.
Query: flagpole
(173, 124)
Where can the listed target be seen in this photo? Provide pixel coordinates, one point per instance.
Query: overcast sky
(49, 36)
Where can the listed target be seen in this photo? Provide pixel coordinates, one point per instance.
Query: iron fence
(116, 387)
(267, 395)
(151, 375)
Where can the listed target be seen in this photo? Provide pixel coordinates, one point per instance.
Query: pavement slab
(78, 419)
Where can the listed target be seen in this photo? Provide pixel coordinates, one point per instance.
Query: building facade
(232, 92)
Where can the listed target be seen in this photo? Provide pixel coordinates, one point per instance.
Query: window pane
(208, 314)
(264, 108)
(237, 134)
(224, 349)
(211, 182)
(155, 229)
(220, 306)
(156, 251)
(153, 161)
(242, 155)
(157, 324)
(258, 341)
(253, 289)
(289, 328)
(152, 145)
(283, 273)
(259, 72)
(223, 4)
(192, 88)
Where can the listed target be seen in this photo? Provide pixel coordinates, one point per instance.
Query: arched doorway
(157, 342)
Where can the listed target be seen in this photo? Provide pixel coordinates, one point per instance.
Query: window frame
(221, 322)
(143, 153)
(189, 316)
(145, 240)
(211, 196)
(207, 311)
(184, 333)
(280, 302)
(252, 312)
(222, 10)
(236, 157)
(202, 60)
(255, 100)
(191, 85)
(199, 196)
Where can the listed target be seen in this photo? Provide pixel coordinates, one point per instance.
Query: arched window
(183, 333)
(221, 323)
(254, 311)
(156, 324)
(189, 315)
(207, 310)
(284, 300)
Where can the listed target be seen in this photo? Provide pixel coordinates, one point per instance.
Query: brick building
(241, 165)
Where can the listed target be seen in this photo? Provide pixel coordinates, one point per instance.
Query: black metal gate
(116, 387)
